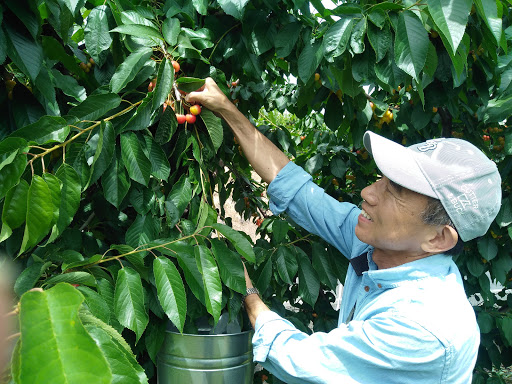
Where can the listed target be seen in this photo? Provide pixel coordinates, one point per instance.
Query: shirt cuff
(285, 186)
(268, 326)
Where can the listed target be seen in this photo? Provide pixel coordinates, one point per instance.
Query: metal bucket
(206, 359)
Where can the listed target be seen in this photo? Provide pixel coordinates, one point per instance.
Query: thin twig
(13, 336)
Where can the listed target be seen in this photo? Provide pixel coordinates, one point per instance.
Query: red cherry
(195, 109)
(175, 65)
(191, 119)
(181, 118)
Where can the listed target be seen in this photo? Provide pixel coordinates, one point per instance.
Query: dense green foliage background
(101, 187)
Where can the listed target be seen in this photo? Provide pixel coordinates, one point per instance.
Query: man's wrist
(251, 291)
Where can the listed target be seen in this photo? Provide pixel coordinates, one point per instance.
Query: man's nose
(369, 194)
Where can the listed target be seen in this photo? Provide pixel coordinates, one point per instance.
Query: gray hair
(435, 214)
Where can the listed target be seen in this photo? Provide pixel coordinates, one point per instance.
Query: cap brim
(397, 163)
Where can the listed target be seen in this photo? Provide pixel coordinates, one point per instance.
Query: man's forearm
(266, 159)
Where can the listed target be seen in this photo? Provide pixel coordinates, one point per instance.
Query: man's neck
(389, 259)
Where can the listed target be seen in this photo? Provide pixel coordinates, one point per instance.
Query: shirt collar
(435, 265)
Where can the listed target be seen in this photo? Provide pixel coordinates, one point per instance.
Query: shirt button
(367, 288)
(379, 285)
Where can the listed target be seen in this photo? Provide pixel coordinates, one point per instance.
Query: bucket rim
(220, 335)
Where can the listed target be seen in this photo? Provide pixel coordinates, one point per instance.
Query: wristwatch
(250, 291)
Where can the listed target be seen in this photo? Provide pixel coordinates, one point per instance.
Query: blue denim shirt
(412, 324)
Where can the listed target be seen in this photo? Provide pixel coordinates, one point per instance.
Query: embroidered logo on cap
(429, 145)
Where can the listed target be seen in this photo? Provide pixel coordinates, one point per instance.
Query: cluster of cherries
(194, 110)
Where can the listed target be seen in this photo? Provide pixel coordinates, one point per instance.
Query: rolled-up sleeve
(386, 349)
(293, 191)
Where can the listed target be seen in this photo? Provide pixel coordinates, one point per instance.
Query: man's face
(391, 218)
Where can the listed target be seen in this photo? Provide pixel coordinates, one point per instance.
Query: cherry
(191, 119)
(175, 65)
(195, 109)
(181, 118)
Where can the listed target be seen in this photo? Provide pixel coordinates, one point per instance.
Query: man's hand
(266, 159)
(210, 96)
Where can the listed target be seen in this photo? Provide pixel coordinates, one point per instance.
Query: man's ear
(443, 238)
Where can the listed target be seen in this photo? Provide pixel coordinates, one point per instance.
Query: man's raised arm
(266, 159)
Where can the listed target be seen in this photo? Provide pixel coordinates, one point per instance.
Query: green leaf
(450, 17)
(380, 40)
(286, 264)
(357, 36)
(26, 53)
(70, 201)
(129, 68)
(129, 301)
(309, 284)
(142, 199)
(171, 30)
(46, 130)
(504, 217)
(239, 241)
(485, 322)
(95, 106)
(115, 181)
(166, 127)
(82, 278)
(265, 276)
(96, 303)
(160, 167)
(11, 173)
(189, 84)
(322, 266)
(314, 163)
(487, 248)
(134, 159)
(338, 167)
(337, 37)
(96, 34)
(69, 86)
(211, 281)
(497, 110)
(14, 210)
(170, 291)
(154, 337)
(39, 213)
(181, 194)
(141, 119)
(138, 30)
(187, 261)
(214, 126)
(230, 265)
(488, 11)
(105, 151)
(286, 39)
(234, 8)
(309, 59)
(506, 329)
(411, 44)
(143, 230)
(164, 83)
(55, 185)
(29, 277)
(201, 6)
(55, 347)
(346, 81)
(123, 371)
(3, 46)
(475, 266)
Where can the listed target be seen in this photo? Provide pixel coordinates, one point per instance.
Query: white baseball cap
(454, 171)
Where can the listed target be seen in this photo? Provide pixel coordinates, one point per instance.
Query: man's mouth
(365, 215)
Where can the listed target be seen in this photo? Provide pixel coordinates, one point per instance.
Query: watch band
(251, 291)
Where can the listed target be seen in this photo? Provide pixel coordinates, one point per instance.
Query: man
(404, 317)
